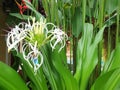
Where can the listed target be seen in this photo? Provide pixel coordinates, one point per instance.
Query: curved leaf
(10, 80)
(58, 59)
(87, 55)
(114, 60)
(108, 81)
(38, 79)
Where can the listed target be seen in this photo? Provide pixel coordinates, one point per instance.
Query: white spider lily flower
(32, 56)
(35, 34)
(15, 36)
(40, 27)
(38, 32)
(57, 37)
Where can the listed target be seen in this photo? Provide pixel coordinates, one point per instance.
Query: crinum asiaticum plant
(31, 36)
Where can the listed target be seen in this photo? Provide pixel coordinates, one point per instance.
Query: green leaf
(31, 7)
(83, 45)
(58, 59)
(108, 81)
(99, 35)
(111, 6)
(20, 16)
(10, 80)
(115, 63)
(114, 60)
(76, 25)
(87, 55)
(38, 80)
(48, 70)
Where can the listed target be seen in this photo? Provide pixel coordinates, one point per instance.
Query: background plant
(85, 22)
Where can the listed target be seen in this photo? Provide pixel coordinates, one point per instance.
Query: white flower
(35, 34)
(40, 27)
(58, 37)
(15, 36)
(32, 56)
(38, 32)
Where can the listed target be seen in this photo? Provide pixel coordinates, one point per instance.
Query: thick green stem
(74, 53)
(109, 38)
(118, 18)
(83, 13)
(101, 18)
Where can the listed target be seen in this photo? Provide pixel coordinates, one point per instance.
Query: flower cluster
(33, 36)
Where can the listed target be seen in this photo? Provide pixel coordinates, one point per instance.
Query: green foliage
(87, 57)
(81, 19)
(38, 81)
(110, 76)
(76, 26)
(32, 8)
(10, 80)
(108, 81)
(23, 17)
(113, 61)
(68, 79)
(111, 6)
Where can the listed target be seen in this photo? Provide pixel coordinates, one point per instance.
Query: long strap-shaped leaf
(108, 81)
(58, 60)
(10, 80)
(87, 55)
(51, 74)
(38, 81)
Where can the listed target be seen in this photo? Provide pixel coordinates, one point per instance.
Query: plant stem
(118, 18)
(84, 13)
(46, 7)
(101, 18)
(74, 53)
(109, 38)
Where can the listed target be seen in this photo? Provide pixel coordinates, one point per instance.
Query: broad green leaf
(108, 81)
(83, 45)
(111, 6)
(87, 55)
(99, 35)
(76, 22)
(20, 16)
(10, 80)
(58, 59)
(114, 60)
(108, 62)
